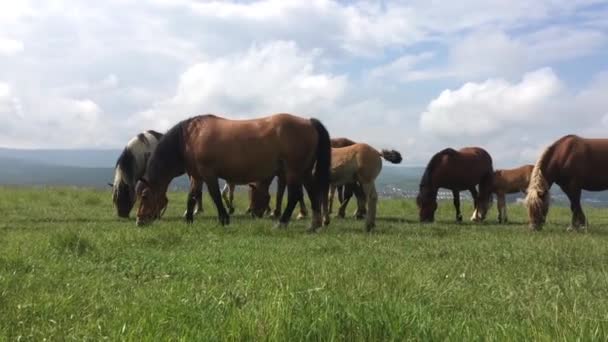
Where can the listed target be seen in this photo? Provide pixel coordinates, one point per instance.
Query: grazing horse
(509, 182)
(573, 163)
(456, 171)
(130, 167)
(240, 151)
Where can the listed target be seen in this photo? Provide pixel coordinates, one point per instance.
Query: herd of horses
(300, 154)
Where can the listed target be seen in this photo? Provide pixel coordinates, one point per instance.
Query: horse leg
(315, 205)
(294, 193)
(578, 217)
(357, 190)
(195, 185)
(226, 197)
(475, 195)
(303, 211)
(214, 191)
(456, 196)
(341, 193)
(281, 185)
(199, 200)
(231, 186)
(502, 207)
(332, 192)
(369, 189)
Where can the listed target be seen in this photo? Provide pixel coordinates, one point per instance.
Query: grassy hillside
(70, 270)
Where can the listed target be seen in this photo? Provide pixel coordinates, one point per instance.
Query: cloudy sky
(508, 75)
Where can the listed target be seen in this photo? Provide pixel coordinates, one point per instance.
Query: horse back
(246, 150)
(463, 169)
(357, 162)
(579, 161)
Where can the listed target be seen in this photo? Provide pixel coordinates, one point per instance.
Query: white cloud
(276, 76)
(478, 109)
(10, 46)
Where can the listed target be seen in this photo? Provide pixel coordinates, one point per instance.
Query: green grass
(70, 270)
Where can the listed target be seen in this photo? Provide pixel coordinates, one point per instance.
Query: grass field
(70, 270)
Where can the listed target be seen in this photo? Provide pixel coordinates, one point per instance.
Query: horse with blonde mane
(509, 181)
(457, 171)
(573, 163)
(209, 147)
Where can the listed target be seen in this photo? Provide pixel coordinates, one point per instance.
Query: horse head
(427, 204)
(123, 197)
(152, 203)
(259, 199)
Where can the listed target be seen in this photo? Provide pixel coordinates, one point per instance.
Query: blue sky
(510, 76)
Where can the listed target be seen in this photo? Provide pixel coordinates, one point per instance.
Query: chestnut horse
(457, 171)
(509, 182)
(240, 151)
(573, 163)
(360, 163)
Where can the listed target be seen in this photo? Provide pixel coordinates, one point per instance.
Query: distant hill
(95, 168)
(76, 158)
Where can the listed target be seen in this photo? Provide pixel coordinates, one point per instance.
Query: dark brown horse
(573, 163)
(240, 151)
(509, 181)
(457, 171)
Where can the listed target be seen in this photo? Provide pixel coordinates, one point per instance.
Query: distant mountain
(76, 158)
(95, 168)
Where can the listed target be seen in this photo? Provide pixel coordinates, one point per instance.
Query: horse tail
(538, 197)
(391, 156)
(323, 158)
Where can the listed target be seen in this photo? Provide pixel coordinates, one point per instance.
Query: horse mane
(155, 134)
(168, 153)
(430, 167)
(124, 167)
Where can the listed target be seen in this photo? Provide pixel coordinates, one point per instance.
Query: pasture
(69, 269)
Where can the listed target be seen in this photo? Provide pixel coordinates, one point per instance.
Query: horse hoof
(230, 211)
(326, 222)
(341, 215)
(189, 219)
(280, 225)
(369, 227)
(300, 216)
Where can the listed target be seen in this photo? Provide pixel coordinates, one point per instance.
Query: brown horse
(457, 171)
(258, 192)
(360, 163)
(240, 151)
(573, 163)
(509, 182)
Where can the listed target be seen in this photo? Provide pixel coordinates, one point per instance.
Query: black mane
(156, 134)
(426, 177)
(126, 162)
(168, 157)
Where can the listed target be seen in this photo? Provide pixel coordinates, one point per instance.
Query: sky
(510, 76)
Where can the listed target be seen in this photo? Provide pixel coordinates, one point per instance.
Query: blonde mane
(538, 197)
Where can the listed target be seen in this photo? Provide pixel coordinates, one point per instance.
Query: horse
(130, 167)
(509, 181)
(349, 190)
(345, 192)
(209, 147)
(358, 163)
(573, 163)
(457, 171)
